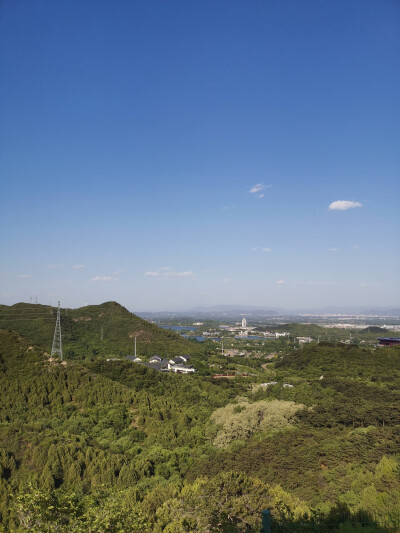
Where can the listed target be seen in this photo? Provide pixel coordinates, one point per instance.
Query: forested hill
(103, 444)
(105, 330)
(106, 446)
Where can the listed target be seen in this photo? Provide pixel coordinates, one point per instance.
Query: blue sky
(133, 133)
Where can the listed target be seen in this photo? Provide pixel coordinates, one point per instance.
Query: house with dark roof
(133, 358)
(155, 359)
(160, 366)
(389, 341)
(164, 365)
(179, 360)
(179, 368)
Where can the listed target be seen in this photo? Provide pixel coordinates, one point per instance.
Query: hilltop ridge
(104, 330)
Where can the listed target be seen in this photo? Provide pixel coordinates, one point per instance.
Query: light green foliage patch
(243, 419)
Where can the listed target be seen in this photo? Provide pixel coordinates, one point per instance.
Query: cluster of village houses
(177, 364)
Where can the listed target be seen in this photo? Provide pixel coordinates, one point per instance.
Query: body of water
(200, 338)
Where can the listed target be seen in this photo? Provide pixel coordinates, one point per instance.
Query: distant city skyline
(174, 155)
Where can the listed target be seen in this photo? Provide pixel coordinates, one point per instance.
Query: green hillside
(112, 446)
(66, 428)
(105, 330)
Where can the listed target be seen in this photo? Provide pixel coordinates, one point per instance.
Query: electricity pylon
(57, 343)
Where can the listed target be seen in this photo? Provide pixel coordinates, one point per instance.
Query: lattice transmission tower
(57, 343)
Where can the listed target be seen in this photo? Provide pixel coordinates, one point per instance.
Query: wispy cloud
(333, 250)
(343, 205)
(25, 276)
(78, 267)
(258, 188)
(226, 280)
(261, 249)
(104, 278)
(167, 272)
(369, 285)
(186, 274)
(280, 282)
(227, 207)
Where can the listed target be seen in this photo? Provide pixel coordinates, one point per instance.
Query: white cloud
(369, 285)
(152, 274)
(258, 187)
(25, 276)
(167, 272)
(342, 205)
(186, 274)
(334, 250)
(226, 280)
(280, 282)
(77, 267)
(263, 249)
(104, 278)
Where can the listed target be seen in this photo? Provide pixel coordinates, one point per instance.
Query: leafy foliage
(243, 419)
(113, 446)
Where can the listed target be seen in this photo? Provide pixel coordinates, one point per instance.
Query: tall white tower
(244, 323)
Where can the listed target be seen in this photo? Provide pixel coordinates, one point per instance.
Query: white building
(244, 323)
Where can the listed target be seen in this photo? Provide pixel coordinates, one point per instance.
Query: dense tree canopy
(113, 446)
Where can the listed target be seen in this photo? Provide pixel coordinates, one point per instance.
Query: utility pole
(101, 334)
(222, 350)
(135, 347)
(57, 342)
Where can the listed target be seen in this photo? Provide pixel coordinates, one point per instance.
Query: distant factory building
(389, 341)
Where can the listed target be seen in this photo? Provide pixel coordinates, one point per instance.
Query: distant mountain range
(238, 310)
